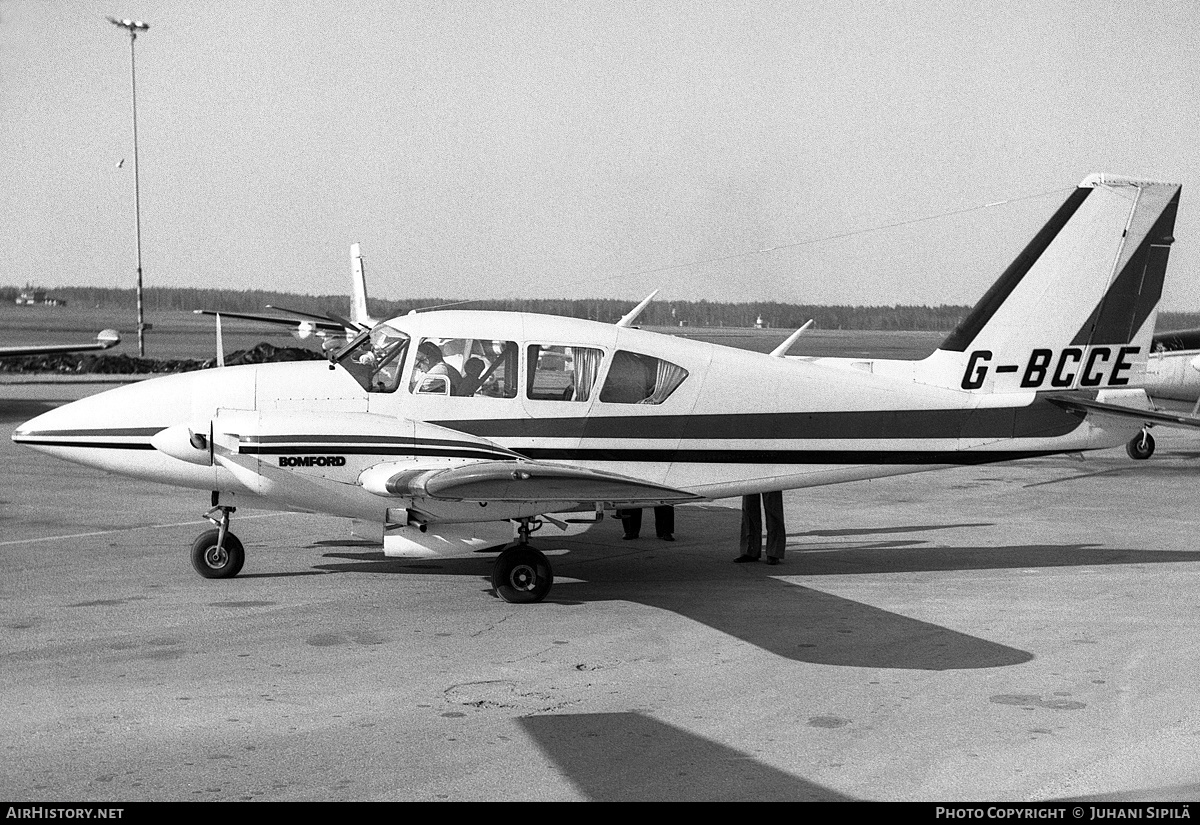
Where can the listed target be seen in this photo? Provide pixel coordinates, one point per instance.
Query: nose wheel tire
(522, 575)
(1141, 446)
(217, 561)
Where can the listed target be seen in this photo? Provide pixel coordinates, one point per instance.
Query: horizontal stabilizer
(1082, 403)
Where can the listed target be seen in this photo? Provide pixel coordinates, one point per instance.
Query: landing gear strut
(218, 554)
(1141, 446)
(522, 575)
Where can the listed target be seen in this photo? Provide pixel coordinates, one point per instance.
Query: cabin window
(465, 367)
(375, 358)
(640, 379)
(562, 373)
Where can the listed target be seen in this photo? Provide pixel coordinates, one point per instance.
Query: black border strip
(91, 445)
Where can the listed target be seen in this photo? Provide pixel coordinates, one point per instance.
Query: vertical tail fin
(358, 290)
(1076, 309)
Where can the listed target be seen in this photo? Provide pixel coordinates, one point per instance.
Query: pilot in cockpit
(429, 364)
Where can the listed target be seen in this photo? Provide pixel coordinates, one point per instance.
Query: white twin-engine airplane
(463, 431)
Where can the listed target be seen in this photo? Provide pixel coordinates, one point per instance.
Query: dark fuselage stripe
(1039, 420)
(90, 445)
(641, 456)
(342, 449)
(107, 432)
(353, 443)
(831, 457)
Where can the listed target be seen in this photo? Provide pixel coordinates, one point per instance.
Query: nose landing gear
(218, 554)
(522, 575)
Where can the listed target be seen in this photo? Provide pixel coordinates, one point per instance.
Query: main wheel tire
(1141, 446)
(522, 575)
(213, 562)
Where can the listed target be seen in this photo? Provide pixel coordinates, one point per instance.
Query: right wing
(516, 481)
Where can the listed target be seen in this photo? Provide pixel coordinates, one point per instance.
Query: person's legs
(631, 522)
(750, 543)
(776, 531)
(664, 522)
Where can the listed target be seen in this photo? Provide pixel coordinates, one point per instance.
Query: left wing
(105, 340)
(1082, 403)
(516, 481)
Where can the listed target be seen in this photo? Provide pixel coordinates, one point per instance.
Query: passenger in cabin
(471, 381)
(430, 363)
(627, 382)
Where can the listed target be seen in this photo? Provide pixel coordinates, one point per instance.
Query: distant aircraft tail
(1077, 308)
(358, 290)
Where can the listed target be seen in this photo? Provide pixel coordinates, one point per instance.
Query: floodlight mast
(133, 27)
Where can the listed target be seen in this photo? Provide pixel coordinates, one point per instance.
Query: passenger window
(562, 373)
(640, 379)
(465, 367)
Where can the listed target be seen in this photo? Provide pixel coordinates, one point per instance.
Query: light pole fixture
(133, 27)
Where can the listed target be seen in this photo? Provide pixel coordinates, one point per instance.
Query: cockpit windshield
(376, 358)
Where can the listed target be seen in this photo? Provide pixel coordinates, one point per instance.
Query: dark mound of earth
(103, 364)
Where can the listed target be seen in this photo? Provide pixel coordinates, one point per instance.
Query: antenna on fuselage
(782, 349)
(628, 318)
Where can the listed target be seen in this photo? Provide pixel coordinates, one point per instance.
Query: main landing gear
(217, 554)
(522, 575)
(1141, 446)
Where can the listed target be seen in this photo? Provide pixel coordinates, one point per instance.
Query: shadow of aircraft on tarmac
(693, 578)
(794, 622)
(627, 757)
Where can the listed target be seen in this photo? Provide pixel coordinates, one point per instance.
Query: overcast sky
(550, 149)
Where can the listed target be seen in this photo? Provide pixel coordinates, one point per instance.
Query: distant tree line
(660, 313)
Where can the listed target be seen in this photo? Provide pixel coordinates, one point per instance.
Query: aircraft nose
(116, 431)
(90, 423)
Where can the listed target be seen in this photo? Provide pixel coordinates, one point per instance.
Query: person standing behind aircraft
(664, 522)
(751, 537)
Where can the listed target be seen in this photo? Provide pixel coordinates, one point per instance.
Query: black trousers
(664, 521)
(752, 524)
